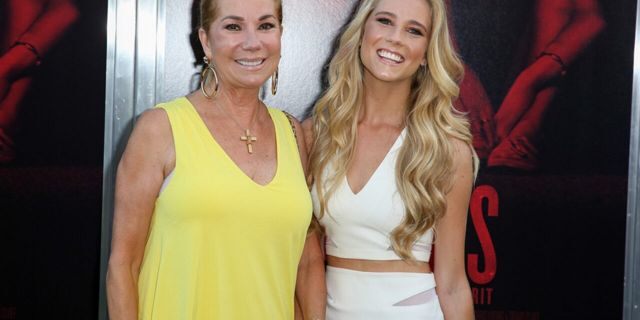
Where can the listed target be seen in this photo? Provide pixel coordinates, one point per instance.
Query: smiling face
(243, 42)
(395, 40)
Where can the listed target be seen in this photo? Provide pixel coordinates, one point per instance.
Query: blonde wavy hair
(424, 169)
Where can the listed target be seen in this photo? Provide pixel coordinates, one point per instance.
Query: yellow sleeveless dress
(220, 245)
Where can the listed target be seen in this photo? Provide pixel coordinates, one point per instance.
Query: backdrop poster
(51, 133)
(548, 90)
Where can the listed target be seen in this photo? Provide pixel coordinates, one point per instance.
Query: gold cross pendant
(249, 139)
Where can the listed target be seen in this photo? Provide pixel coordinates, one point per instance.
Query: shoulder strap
(293, 126)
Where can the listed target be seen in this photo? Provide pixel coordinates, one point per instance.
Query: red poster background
(546, 227)
(50, 192)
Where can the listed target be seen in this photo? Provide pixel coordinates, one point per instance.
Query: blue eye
(232, 27)
(415, 31)
(384, 21)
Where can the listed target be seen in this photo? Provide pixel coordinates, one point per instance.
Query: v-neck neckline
(234, 164)
(393, 147)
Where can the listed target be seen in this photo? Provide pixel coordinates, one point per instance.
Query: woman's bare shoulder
(464, 160)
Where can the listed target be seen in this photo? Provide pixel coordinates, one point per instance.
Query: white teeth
(250, 63)
(390, 55)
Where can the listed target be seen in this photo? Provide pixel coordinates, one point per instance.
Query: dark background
(586, 130)
(50, 197)
(560, 233)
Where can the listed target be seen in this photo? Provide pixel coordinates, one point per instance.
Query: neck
(385, 103)
(241, 104)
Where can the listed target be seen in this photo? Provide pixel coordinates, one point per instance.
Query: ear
(204, 42)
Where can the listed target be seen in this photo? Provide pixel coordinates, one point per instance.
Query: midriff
(379, 265)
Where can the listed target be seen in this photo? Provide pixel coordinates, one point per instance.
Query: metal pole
(134, 66)
(118, 110)
(631, 304)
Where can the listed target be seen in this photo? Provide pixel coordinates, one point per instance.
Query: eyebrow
(415, 22)
(267, 16)
(238, 18)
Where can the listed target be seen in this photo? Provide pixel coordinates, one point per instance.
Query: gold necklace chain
(247, 137)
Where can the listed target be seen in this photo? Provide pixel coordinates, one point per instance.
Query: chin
(252, 83)
(386, 75)
(390, 77)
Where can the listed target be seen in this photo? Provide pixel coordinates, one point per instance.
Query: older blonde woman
(393, 167)
(212, 206)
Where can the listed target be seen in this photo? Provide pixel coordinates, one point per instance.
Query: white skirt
(357, 295)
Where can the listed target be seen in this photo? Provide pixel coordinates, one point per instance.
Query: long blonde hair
(424, 168)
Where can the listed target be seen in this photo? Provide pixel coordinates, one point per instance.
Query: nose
(251, 41)
(394, 35)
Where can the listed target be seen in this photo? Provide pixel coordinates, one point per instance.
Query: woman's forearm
(122, 294)
(457, 304)
(51, 25)
(311, 291)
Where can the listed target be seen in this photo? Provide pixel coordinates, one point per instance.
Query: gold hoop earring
(274, 82)
(204, 78)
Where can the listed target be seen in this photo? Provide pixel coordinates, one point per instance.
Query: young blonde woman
(393, 167)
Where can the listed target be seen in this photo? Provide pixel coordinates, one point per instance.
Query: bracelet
(557, 59)
(31, 48)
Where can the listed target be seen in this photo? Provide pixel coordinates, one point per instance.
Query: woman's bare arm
(148, 157)
(311, 293)
(449, 270)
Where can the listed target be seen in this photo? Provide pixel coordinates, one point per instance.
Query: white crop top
(358, 226)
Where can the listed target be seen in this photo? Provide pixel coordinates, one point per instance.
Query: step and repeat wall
(548, 90)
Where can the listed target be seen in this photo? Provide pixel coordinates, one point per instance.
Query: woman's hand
(522, 94)
(311, 290)
(14, 64)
